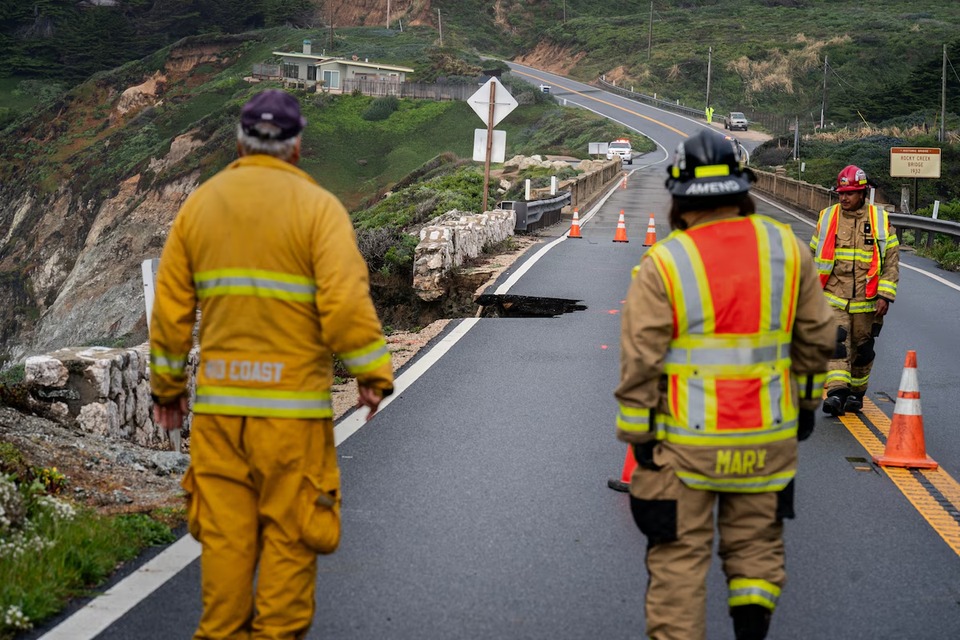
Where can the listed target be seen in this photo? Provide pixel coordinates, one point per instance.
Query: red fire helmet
(852, 178)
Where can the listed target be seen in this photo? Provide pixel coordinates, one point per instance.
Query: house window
(291, 71)
(331, 79)
(311, 73)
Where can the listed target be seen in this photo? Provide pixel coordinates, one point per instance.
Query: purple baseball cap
(272, 114)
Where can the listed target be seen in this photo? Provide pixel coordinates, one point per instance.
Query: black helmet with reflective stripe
(708, 165)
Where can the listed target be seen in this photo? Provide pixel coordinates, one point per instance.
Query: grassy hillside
(768, 54)
(75, 135)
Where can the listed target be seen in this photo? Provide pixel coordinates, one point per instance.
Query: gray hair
(280, 149)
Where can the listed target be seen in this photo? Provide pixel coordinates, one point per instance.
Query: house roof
(305, 56)
(370, 65)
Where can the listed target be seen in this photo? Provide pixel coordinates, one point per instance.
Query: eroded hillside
(82, 205)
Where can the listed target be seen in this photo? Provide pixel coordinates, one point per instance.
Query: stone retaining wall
(98, 390)
(449, 240)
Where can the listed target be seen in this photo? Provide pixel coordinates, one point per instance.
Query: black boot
(750, 621)
(833, 404)
(853, 403)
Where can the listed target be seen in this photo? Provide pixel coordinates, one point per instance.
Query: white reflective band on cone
(907, 406)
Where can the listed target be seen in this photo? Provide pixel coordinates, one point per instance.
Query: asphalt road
(476, 505)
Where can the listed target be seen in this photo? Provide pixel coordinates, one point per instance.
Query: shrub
(381, 108)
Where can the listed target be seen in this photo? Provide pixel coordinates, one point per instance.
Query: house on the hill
(339, 75)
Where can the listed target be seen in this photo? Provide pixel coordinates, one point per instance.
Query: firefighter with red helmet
(724, 343)
(857, 255)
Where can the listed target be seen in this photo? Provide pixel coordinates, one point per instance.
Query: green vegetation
(768, 55)
(50, 550)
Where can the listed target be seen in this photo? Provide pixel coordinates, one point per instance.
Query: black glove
(643, 453)
(805, 422)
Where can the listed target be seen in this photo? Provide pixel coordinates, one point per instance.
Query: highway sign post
(492, 102)
(914, 162)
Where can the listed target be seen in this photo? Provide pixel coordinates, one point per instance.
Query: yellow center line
(609, 104)
(926, 504)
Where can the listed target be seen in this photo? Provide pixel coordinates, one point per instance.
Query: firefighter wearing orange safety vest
(858, 259)
(724, 345)
(272, 260)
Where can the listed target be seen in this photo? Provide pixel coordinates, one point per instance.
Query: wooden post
(486, 162)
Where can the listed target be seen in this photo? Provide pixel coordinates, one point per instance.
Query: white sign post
(492, 102)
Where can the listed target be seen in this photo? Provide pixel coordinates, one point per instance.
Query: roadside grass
(51, 550)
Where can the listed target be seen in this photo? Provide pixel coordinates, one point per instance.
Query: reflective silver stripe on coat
(256, 283)
(263, 403)
(736, 356)
(689, 286)
(358, 362)
(778, 273)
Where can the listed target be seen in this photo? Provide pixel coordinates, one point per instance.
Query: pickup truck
(735, 120)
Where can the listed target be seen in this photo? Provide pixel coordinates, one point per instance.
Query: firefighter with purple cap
(271, 260)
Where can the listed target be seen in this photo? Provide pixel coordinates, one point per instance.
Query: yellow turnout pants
(263, 501)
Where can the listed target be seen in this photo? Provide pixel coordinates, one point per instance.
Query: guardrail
(536, 214)
(930, 225)
(811, 198)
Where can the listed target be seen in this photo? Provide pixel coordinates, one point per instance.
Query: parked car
(620, 147)
(735, 120)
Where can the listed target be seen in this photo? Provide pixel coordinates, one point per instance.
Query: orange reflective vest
(826, 253)
(733, 285)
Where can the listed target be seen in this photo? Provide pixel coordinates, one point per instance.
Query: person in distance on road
(724, 343)
(857, 254)
(272, 259)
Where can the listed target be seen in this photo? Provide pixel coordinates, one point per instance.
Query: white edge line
(101, 612)
(104, 610)
(352, 423)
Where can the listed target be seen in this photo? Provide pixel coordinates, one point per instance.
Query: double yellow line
(934, 493)
(609, 104)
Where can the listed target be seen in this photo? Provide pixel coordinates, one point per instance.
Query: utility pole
(709, 66)
(650, 33)
(823, 105)
(331, 27)
(440, 27)
(943, 99)
(388, 14)
(796, 138)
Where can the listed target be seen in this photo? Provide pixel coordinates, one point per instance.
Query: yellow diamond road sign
(503, 102)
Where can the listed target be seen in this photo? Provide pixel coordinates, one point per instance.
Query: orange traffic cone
(575, 226)
(651, 238)
(629, 464)
(621, 234)
(905, 443)
(623, 183)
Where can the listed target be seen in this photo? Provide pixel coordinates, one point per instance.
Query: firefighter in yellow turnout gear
(857, 254)
(724, 344)
(273, 263)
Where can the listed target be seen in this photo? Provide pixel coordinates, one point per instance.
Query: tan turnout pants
(751, 547)
(254, 505)
(854, 353)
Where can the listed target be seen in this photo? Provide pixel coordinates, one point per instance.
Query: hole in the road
(510, 306)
